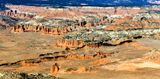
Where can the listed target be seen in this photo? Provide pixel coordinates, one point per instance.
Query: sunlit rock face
(70, 43)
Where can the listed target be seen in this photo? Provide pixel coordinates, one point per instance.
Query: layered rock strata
(43, 29)
(6, 21)
(139, 21)
(58, 56)
(16, 14)
(113, 37)
(70, 43)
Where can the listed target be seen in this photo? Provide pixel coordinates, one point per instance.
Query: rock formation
(113, 38)
(78, 70)
(100, 62)
(63, 55)
(75, 57)
(27, 64)
(140, 21)
(18, 29)
(54, 69)
(43, 29)
(152, 56)
(6, 21)
(70, 43)
(16, 14)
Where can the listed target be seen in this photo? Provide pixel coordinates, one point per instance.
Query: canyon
(38, 42)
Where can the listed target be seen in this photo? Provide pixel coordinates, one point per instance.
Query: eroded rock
(17, 14)
(54, 69)
(42, 29)
(70, 43)
(79, 70)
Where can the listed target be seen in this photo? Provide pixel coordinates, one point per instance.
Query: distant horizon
(81, 2)
(64, 3)
(50, 5)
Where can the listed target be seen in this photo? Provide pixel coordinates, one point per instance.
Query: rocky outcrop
(152, 56)
(100, 62)
(90, 56)
(54, 69)
(63, 55)
(43, 29)
(70, 43)
(16, 14)
(113, 38)
(75, 44)
(129, 22)
(18, 29)
(75, 57)
(79, 70)
(6, 21)
(27, 63)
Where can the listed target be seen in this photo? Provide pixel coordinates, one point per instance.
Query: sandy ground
(23, 52)
(125, 64)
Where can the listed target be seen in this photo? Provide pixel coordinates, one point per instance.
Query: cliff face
(64, 43)
(128, 23)
(6, 21)
(70, 43)
(43, 29)
(16, 14)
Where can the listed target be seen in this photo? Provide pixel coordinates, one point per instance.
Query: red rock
(14, 14)
(70, 43)
(100, 62)
(54, 69)
(42, 29)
